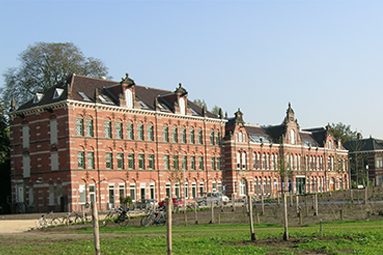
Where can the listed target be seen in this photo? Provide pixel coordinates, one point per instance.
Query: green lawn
(337, 238)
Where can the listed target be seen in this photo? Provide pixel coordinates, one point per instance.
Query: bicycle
(47, 220)
(72, 218)
(153, 217)
(123, 217)
(112, 215)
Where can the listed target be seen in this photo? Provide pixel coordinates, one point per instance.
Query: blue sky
(325, 57)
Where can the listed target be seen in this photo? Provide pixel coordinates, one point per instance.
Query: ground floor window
(133, 192)
(168, 190)
(242, 187)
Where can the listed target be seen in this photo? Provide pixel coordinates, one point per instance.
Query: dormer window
(58, 93)
(37, 98)
(129, 98)
(82, 94)
(292, 136)
(182, 106)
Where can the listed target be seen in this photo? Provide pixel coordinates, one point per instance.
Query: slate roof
(369, 144)
(83, 89)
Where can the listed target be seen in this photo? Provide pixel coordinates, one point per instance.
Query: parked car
(215, 197)
(145, 203)
(177, 202)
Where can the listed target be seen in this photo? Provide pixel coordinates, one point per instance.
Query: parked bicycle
(47, 220)
(154, 217)
(119, 216)
(72, 218)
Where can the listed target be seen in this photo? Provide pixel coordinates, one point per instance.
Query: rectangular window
(141, 161)
(218, 163)
(192, 163)
(121, 190)
(186, 190)
(120, 161)
(175, 162)
(184, 162)
(244, 160)
(133, 192)
(166, 134)
(92, 193)
(108, 129)
(166, 162)
(200, 163)
(200, 137)
(217, 138)
(212, 163)
(212, 137)
(80, 126)
(131, 161)
(108, 160)
(119, 130)
(54, 161)
(191, 136)
(151, 161)
(80, 159)
(175, 134)
(201, 189)
(183, 135)
(194, 190)
(90, 159)
(89, 128)
(26, 166)
(140, 132)
(177, 190)
(152, 194)
(82, 192)
(379, 162)
(53, 131)
(129, 131)
(150, 133)
(238, 160)
(168, 190)
(25, 136)
(214, 188)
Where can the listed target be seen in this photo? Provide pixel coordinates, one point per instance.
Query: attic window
(143, 105)
(37, 98)
(85, 97)
(58, 93)
(103, 100)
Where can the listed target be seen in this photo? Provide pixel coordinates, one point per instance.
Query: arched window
(129, 98)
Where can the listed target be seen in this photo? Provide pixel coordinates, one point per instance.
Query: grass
(337, 238)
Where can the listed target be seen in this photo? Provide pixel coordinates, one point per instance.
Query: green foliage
(200, 102)
(45, 64)
(343, 132)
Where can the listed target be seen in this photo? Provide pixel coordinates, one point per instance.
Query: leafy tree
(215, 110)
(200, 102)
(45, 64)
(343, 132)
(5, 163)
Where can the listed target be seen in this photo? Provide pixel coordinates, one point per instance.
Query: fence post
(169, 202)
(316, 203)
(341, 214)
(212, 213)
(263, 205)
(252, 234)
(96, 233)
(195, 213)
(83, 214)
(233, 202)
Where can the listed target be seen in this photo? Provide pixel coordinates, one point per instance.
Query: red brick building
(89, 139)
(255, 157)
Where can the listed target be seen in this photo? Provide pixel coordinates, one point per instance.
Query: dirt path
(16, 226)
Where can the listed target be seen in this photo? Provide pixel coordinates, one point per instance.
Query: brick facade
(88, 139)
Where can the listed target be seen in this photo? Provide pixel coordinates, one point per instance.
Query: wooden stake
(212, 213)
(169, 225)
(195, 213)
(252, 234)
(96, 233)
